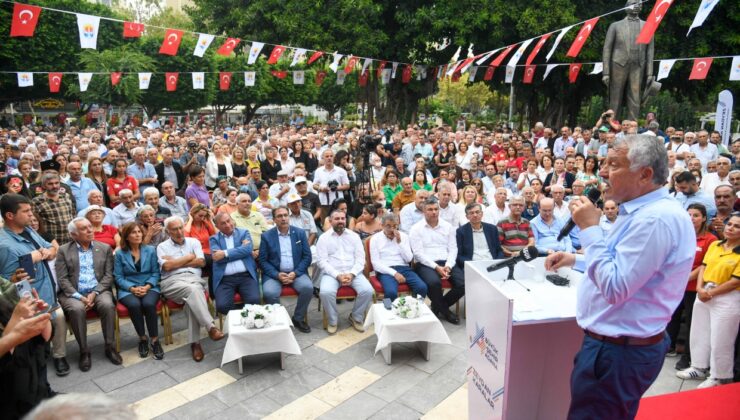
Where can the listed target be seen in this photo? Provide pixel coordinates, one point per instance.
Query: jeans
(390, 284)
(271, 289)
(230, 285)
(140, 309)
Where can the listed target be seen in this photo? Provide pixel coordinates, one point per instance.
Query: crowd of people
(192, 213)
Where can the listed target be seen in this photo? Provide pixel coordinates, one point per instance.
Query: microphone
(593, 196)
(527, 254)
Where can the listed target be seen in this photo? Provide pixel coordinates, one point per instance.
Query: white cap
(292, 198)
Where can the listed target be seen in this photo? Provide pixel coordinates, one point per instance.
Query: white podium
(522, 339)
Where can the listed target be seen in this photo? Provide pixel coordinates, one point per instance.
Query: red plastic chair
(170, 306)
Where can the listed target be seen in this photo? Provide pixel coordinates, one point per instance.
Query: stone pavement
(336, 377)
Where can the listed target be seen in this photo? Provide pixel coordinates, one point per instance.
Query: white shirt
(481, 252)
(711, 181)
(706, 154)
(493, 214)
(606, 224)
(122, 214)
(322, 176)
(340, 254)
(562, 212)
(680, 148)
(450, 214)
(236, 266)
(431, 244)
(277, 187)
(170, 248)
(386, 253)
(409, 216)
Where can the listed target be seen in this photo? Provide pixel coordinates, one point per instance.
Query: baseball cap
(282, 173)
(604, 129)
(94, 207)
(292, 198)
(300, 179)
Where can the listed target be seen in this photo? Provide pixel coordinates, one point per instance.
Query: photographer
(329, 181)
(191, 158)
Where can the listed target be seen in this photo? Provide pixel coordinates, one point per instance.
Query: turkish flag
(489, 73)
(701, 68)
(275, 54)
(171, 42)
(456, 77)
(171, 80)
(651, 24)
(406, 75)
(582, 36)
(25, 18)
(498, 60)
(351, 63)
(362, 80)
(224, 80)
(315, 56)
(228, 46)
(280, 74)
(463, 67)
(55, 81)
(115, 78)
(380, 68)
(528, 74)
(575, 68)
(320, 76)
(536, 50)
(132, 29)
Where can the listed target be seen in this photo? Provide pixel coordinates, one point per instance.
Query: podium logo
(479, 339)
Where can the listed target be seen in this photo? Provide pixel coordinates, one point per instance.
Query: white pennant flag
(509, 74)
(705, 8)
(334, 66)
(487, 56)
(84, 79)
(249, 78)
(385, 76)
(664, 68)
(440, 72)
(519, 52)
(144, 79)
(254, 51)
(557, 41)
(298, 77)
(421, 72)
(88, 26)
(340, 77)
(25, 79)
(199, 80)
(366, 64)
(298, 55)
(598, 68)
(473, 72)
(735, 70)
(452, 67)
(204, 41)
(548, 70)
(395, 67)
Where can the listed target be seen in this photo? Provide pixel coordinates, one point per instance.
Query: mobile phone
(24, 289)
(50, 309)
(387, 303)
(26, 263)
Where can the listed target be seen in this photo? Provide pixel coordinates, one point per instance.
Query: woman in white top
(287, 163)
(467, 196)
(545, 168)
(526, 177)
(218, 164)
(463, 156)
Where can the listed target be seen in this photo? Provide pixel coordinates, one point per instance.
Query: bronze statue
(628, 66)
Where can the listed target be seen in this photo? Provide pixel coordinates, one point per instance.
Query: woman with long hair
(264, 204)
(444, 158)
(218, 164)
(238, 164)
(368, 223)
(120, 180)
(62, 160)
(590, 175)
(467, 195)
(96, 173)
(300, 155)
(464, 180)
(13, 184)
(536, 185)
(526, 177)
(420, 180)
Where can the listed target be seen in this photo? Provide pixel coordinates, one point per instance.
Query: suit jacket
(620, 49)
(465, 246)
(242, 250)
(269, 256)
(126, 274)
(67, 267)
(159, 169)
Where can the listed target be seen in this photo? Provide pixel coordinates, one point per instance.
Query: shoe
(684, 362)
(113, 355)
(61, 366)
(143, 348)
(449, 316)
(316, 292)
(710, 382)
(157, 350)
(671, 353)
(215, 334)
(693, 373)
(85, 362)
(197, 352)
(331, 329)
(356, 325)
(301, 325)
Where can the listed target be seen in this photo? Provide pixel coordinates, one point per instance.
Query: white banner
(421, 72)
(298, 55)
(385, 76)
(705, 8)
(735, 70)
(366, 64)
(557, 42)
(519, 52)
(473, 71)
(25, 79)
(199, 79)
(298, 77)
(509, 74)
(249, 77)
(598, 68)
(395, 67)
(340, 77)
(254, 52)
(451, 68)
(664, 68)
(334, 66)
(84, 79)
(723, 120)
(487, 56)
(204, 41)
(88, 26)
(548, 70)
(144, 79)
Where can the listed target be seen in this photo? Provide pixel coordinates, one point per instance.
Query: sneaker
(356, 325)
(143, 348)
(710, 382)
(693, 373)
(331, 329)
(671, 353)
(684, 362)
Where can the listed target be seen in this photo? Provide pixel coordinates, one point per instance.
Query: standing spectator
(218, 165)
(80, 186)
(142, 170)
(330, 181)
(712, 180)
(704, 150)
(55, 208)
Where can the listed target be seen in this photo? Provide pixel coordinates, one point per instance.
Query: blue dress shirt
(546, 236)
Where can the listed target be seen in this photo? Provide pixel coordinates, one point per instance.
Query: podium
(522, 338)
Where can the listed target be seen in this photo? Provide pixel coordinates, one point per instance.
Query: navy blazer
(242, 250)
(269, 256)
(465, 247)
(126, 274)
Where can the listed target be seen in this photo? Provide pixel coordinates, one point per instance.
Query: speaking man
(634, 278)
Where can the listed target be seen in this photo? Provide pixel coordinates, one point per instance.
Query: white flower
(259, 323)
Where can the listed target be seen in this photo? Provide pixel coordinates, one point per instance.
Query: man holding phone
(17, 241)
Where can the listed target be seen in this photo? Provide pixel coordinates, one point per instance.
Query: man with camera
(329, 180)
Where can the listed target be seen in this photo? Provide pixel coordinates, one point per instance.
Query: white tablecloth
(393, 329)
(244, 342)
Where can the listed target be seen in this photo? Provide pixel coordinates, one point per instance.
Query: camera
(369, 143)
(333, 184)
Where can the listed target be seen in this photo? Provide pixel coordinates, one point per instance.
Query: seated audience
(514, 232)
(546, 229)
(127, 208)
(106, 234)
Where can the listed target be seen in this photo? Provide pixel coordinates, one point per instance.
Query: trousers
(390, 284)
(714, 327)
(189, 289)
(141, 309)
(243, 283)
(272, 288)
(328, 296)
(74, 311)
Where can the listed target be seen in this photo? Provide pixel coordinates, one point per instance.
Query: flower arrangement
(257, 316)
(407, 307)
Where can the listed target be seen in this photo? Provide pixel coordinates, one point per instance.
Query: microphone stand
(511, 277)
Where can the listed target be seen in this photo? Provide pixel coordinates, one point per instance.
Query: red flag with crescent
(489, 73)
(224, 80)
(115, 78)
(171, 81)
(25, 18)
(171, 42)
(498, 60)
(380, 68)
(320, 76)
(55, 82)
(351, 63)
(582, 36)
(132, 29)
(362, 80)
(651, 24)
(280, 74)
(275, 54)
(573, 71)
(528, 74)
(315, 56)
(537, 49)
(406, 75)
(701, 68)
(228, 46)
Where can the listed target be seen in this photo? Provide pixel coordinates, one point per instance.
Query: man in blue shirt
(142, 170)
(635, 276)
(688, 192)
(546, 228)
(80, 186)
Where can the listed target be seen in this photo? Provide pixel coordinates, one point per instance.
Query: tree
(331, 97)
(468, 97)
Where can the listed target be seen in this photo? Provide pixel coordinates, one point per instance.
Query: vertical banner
(204, 41)
(254, 52)
(199, 80)
(298, 77)
(55, 82)
(170, 80)
(25, 79)
(84, 79)
(723, 120)
(341, 75)
(385, 76)
(144, 80)
(88, 27)
(664, 68)
(249, 77)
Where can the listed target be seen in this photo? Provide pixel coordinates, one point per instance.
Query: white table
(277, 338)
(390, 328)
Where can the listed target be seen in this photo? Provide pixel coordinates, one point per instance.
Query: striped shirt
(514, 236)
